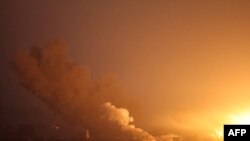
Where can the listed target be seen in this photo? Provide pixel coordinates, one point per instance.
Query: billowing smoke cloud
(68, 88)
(120, 117)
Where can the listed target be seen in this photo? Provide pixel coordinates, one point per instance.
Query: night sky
(184, 64)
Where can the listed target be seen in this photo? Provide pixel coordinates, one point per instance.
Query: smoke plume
(68, 88)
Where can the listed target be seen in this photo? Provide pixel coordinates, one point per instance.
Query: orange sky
(176, 57)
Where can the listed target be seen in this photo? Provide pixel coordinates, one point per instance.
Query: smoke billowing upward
(68, 88)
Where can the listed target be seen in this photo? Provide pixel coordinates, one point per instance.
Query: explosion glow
(234, 119)
(241, 118)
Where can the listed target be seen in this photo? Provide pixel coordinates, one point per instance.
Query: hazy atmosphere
(174, 70)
